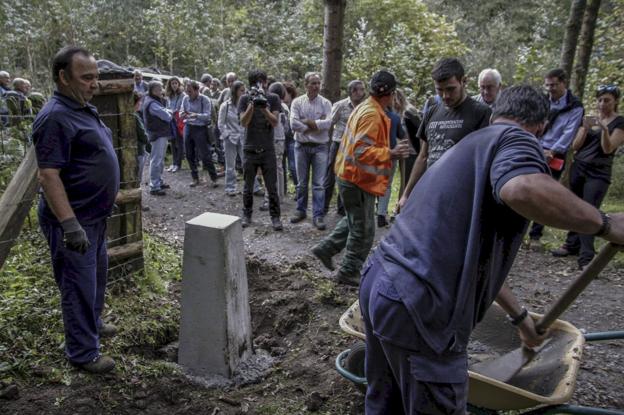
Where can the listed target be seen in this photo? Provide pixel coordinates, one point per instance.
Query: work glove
(75, 238)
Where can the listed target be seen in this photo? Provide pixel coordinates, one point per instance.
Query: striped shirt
(340, 115)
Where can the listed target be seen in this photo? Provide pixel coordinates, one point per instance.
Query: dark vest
(155, 127)
(572, 102)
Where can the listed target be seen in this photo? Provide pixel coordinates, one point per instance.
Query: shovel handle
(578, 286)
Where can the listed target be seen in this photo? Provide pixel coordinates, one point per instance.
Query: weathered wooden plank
(128, 196)
(115, 86)
(16, 202)
(119, 253)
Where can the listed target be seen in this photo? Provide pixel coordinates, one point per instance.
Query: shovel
(505, 367)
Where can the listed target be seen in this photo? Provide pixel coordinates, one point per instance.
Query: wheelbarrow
(545, 381)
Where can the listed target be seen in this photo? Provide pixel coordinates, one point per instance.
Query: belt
(256, 150)
(308, 144)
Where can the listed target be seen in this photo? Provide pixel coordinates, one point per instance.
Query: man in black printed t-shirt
(447, 122)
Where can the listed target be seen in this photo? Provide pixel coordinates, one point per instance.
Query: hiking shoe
(325, 259)
(264, 206)
(107, 330)
(195, 183)
(101, 364)
(158, 192)
(381, 221)
(319, 223)
(277, 224)
(299, 216)
(563, 251)
(245, 221)
(347, 279)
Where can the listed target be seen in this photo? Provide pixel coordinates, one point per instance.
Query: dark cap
(382, 83)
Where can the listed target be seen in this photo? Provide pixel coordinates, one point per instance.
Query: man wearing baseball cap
(363, 166)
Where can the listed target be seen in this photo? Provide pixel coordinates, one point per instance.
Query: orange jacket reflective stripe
(364, 154)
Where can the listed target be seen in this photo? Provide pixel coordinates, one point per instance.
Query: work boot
(325, 259)
(319, 223)
(245, 221)
(277, 224)
(347, 279)
(107, 330)
(563, 251)
(195, 183)
(99, 365)
(298, 217)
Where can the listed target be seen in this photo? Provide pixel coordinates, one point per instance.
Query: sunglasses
(610, 89)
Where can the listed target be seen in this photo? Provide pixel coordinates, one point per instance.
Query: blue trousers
(404, 375)
(311, 156)
(81, 280)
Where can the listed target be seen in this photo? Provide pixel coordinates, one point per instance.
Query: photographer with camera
(259, 115)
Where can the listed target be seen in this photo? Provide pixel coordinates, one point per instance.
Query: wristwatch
(605, 228)
(519, 318)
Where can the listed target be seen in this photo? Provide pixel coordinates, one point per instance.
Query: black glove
(75, 238)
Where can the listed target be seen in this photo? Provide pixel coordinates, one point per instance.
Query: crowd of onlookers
(18, 103)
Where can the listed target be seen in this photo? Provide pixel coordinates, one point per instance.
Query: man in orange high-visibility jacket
(362, 168)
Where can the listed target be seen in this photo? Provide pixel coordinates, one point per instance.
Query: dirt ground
(295, 312)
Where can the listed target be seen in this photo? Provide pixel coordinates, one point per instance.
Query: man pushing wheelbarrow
(445, 260)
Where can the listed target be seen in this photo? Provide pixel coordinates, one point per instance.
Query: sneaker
(165, 186)
(325, 259)
(347, 279)
(562, 252)
(107, 330)
(264, 206)
(174, 169)
(157, 192)
(101, 364)
(381, 221)
(195, 183)
(277, 224)
(170, 168)
(259, 192)
(319, 223)
(299, 216)
(245, 221)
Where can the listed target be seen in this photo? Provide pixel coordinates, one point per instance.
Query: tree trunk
(333, 35)
(570, 39)
(586, 42)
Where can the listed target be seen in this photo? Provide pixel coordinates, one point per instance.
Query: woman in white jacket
(232, 133)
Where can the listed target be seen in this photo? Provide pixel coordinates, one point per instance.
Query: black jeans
(196, 143)
(592, 190)
(537, 229)
(329, 182)
(265, 160)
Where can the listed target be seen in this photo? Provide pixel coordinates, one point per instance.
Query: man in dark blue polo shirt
(79, 176)
(446, 259)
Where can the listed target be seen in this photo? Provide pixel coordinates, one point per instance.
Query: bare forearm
(417, 171)
(540, 198)
(507, 300)
(271, 117)
(55, 195)
(579, 140)
(246, 116)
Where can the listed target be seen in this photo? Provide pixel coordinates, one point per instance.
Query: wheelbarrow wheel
(354, 362)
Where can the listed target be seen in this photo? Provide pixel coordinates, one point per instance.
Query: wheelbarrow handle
(578, 286)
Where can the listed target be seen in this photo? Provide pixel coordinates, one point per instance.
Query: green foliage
(616, 190)
(31, 332)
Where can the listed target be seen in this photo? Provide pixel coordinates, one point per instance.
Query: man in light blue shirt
(564, 119)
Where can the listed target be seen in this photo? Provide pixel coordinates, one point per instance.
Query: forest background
(522, 39)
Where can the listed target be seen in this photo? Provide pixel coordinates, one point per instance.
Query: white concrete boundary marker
(215, 323)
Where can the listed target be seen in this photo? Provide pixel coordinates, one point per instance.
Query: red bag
(179, 123)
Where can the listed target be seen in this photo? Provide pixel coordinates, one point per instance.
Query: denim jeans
(311, 156)
(383, 201)
(157, 162)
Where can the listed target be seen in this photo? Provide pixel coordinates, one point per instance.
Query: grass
(31, 328)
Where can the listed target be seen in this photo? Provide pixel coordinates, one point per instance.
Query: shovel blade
(505, 367)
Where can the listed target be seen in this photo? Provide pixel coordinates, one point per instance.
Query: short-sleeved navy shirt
(72, 138)
(454, 242)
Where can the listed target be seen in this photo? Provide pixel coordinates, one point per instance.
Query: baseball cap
(382, 83)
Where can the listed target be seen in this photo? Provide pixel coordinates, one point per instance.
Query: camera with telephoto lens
(258, 97)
